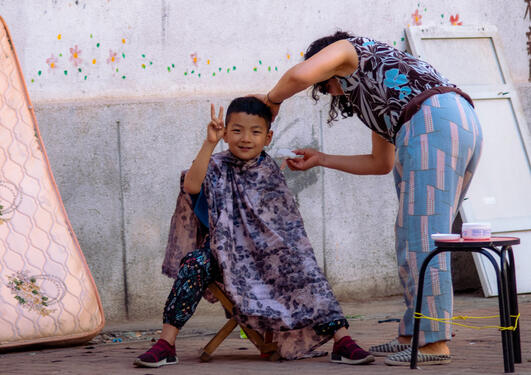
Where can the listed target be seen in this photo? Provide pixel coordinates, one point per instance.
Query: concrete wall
(119, 132)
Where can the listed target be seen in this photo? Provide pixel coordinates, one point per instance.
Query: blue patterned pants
(437, 151)
(198, 269)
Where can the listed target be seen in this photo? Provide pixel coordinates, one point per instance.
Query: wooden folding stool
(264, 344)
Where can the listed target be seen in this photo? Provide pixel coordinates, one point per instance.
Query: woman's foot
(439, 347)
(435, 353)
(160, 354)
(347, 351)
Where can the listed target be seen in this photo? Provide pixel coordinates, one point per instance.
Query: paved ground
(473, 351)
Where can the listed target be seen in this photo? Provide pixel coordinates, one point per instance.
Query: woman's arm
(337, 59)
(379, 161)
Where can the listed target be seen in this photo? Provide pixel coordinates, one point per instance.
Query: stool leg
(207, 351)
(503, 310)
(513, 306)
(505, 296)
(418, 308)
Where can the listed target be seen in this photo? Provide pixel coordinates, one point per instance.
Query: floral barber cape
(258, 239)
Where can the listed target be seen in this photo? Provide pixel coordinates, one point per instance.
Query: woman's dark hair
(251, 106)
(339, 103)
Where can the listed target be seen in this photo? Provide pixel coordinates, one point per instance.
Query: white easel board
(471, 58)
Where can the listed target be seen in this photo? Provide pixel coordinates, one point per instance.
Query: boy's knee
(196, 259)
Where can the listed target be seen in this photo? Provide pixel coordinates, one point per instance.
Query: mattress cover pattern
(47, 294)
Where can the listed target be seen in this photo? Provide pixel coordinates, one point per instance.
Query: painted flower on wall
(417, 18)
(454, 20)
(52, 62)
(195, 58)
(113, 57)
(75, 55)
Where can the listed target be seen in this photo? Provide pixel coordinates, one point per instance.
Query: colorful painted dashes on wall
(86, 59)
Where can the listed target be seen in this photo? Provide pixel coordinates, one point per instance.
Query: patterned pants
(198, 269)
(437, 153)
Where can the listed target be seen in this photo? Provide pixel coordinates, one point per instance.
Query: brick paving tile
(473, 351)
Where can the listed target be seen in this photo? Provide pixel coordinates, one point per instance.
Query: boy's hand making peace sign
(216, 127)
(197, 172)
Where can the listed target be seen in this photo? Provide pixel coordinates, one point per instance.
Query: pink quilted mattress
(47, 294)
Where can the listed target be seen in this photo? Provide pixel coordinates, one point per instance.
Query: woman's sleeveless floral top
(384, 83)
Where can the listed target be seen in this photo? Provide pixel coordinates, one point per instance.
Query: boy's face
(246, 135)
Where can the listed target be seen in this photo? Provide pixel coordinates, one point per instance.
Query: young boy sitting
(236, 223)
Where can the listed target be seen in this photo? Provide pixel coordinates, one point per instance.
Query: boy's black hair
(338, 103)
(251, 106)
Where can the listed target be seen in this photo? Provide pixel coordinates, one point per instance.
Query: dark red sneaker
(347, 351)
(160, 354)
